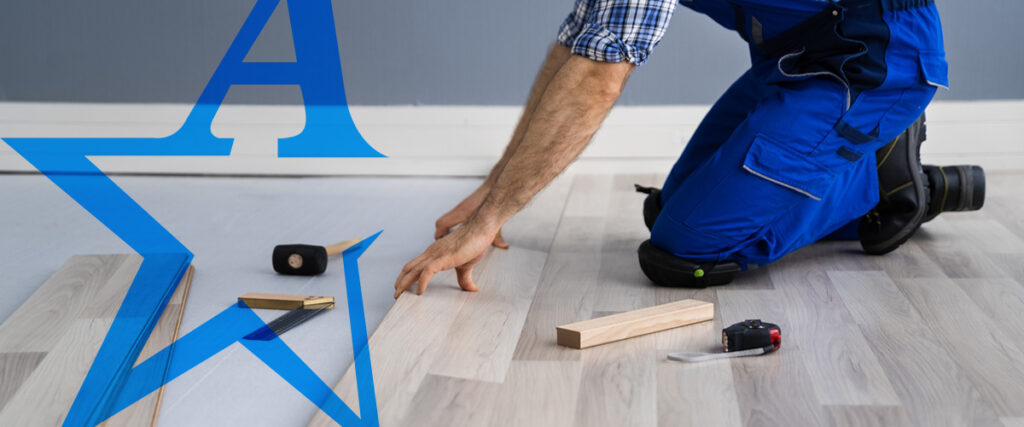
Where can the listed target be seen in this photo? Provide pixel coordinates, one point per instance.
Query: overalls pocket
(798, 173)
(772, 181)
(934, 68)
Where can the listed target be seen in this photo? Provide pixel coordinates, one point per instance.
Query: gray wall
(438, 52)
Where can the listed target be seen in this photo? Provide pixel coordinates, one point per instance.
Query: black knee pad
(666, 269)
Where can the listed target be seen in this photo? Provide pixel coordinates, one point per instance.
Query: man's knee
(689, 242)
(666, 269)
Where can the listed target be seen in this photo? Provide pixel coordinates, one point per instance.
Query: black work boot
(652, 204)
(903, 189)
(956, 188)
(666, 269)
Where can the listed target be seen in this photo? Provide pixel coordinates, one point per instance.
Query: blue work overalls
(787, 155)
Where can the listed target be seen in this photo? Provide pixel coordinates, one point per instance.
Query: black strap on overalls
(848, 40)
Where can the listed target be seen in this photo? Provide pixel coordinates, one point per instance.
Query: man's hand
(461, 249)
(461, 212)
(559, 121)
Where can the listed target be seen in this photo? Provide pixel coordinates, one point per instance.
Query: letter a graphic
(329, 130)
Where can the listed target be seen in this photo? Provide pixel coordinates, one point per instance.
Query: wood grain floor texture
(49, 343)
(925, 336)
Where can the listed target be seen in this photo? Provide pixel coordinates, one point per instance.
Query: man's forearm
(568, 113)
(556, 58)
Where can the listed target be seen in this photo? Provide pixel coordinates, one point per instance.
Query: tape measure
(747, 338)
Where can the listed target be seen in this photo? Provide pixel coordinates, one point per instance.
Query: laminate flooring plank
(404, 346)
(147, 410)
(774, 389)
(943, 241)
(868, 416)
(909, 261)
(481, 343)
(1001, 299)
(564, 294)
(988, 355)
(840, 365)
(44, 399)
(98, 284)
(982, 231)
(1006, 210)
(622, 286)
(566, 289)
(447, 401)
(105, 300)
(487, 328)
(15, 368)
(831, 255)
(1011, 264)
(537, 393)
(932, 386)
(534, 227)
(694, 394)
(169, 325)
(588, 196)
(1003, 183)
(755, 278)
(624, 214)
(44, 318)
(619, 384)
(1013, 422)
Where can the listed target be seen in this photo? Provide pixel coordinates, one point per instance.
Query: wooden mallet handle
(340, 247)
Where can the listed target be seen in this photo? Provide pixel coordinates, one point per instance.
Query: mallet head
(301, 260)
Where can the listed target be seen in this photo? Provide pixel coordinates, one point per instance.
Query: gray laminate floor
(926, 336)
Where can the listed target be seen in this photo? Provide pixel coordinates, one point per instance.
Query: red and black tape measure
(747, 338)
(750, 334)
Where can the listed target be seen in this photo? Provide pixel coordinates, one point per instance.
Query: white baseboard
(455, 141)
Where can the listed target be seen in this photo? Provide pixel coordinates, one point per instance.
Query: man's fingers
(465, 276)
(424, 278)
(404, 282)
(444, 225)
(448, 252)
(401, 276)
(441, 231)
(408, 276)
(411, 265)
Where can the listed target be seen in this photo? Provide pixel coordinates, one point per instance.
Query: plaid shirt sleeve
(616, 30)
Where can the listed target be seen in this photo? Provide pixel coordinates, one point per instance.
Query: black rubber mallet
(306, 260)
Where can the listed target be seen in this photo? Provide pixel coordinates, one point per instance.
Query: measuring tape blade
(701, 357)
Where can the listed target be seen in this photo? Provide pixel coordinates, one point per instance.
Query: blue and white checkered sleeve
(616, 30)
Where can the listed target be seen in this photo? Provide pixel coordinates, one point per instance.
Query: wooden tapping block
(620, 326)
(285, 302)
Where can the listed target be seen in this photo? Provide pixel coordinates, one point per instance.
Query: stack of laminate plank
(49, 343)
